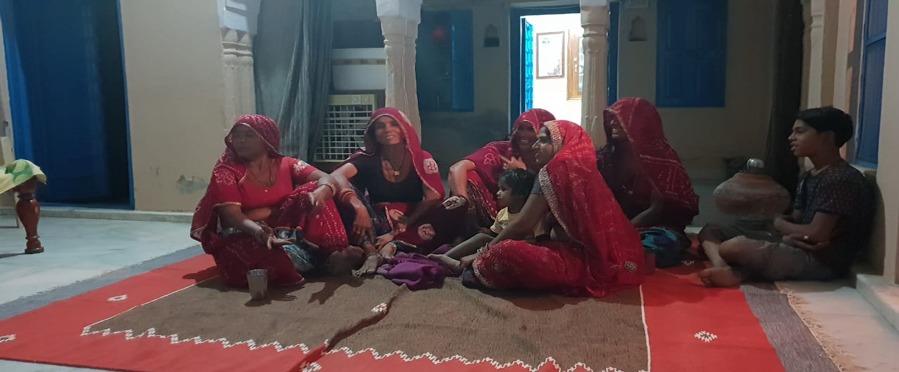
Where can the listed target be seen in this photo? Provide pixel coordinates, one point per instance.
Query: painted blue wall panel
(463, 60)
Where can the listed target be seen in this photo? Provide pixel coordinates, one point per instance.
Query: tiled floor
(862, 339)
(79, 249)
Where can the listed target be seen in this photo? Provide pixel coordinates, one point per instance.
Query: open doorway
(557, 67)
(67, 96)
(547, 55)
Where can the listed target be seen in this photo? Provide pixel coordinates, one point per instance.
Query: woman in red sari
(647, 177)
(266, 211)
(405, 205)
(596, 252)
(475, 177)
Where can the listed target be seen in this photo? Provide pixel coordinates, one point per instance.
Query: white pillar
(399, 24)
(822, 26)
(238, 20)
(595, 20)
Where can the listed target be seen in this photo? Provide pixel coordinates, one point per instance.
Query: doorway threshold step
(109, 214)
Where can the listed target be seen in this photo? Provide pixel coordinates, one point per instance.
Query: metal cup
(650, 263)
(258, 283)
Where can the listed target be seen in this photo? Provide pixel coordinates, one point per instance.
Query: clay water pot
(751, 195)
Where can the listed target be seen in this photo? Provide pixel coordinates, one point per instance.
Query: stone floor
(79, 249)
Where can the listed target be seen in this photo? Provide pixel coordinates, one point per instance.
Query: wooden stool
(29, 212)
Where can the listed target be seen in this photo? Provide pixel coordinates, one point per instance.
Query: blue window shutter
(612, 65)
(463, 60)
(425, 69)
(692, 53)
(872, 82)
(444, 65)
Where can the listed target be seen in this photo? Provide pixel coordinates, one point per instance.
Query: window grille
(348, 115)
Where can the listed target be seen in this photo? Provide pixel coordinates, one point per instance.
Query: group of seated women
(543, 210)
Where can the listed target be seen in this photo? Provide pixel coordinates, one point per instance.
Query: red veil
(442, 222)
(605, 254)
(235, 254)
(488, 164)
(424, 163)
(658, 161)
(587, 210)
(267, 129)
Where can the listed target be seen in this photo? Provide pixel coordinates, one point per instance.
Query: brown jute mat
(450, 322)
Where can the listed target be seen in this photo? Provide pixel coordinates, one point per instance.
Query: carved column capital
(240, 15)
(238, 20)
(406, 9)
(399, 24)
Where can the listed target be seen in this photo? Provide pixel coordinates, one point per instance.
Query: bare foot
(369, 267)
(720, 277)
(389, 251)
(448, 262)
(343, 262)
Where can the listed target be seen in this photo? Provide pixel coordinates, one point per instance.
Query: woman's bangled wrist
(330, 187)
(347, 196)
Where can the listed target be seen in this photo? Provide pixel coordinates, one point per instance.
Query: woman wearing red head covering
(404, 207)
(647, 177)
(266, 211)
(475, 177)
(596, 252)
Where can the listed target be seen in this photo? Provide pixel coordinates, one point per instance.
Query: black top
(843, 191)
(370, 178)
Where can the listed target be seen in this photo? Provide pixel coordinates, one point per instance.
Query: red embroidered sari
(605, 253)
(482, 182)
(440, 225)
(237, 253)
(661, 170)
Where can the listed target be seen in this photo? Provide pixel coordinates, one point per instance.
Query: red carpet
(690, 328)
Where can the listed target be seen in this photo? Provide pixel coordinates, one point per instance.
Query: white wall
(175, 87)
(888, 167)
(552, 94)
(703, 136)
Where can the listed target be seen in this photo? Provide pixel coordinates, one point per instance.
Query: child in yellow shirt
(514, 189)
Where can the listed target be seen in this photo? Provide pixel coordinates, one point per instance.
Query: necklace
(396, 171)
(265, 186)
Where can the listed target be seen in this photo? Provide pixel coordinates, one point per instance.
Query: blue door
(67, 95)
(527, 56)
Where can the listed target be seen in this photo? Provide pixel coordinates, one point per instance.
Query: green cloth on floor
(19, 172)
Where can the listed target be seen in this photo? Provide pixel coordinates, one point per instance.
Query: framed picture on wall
(551, 55)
